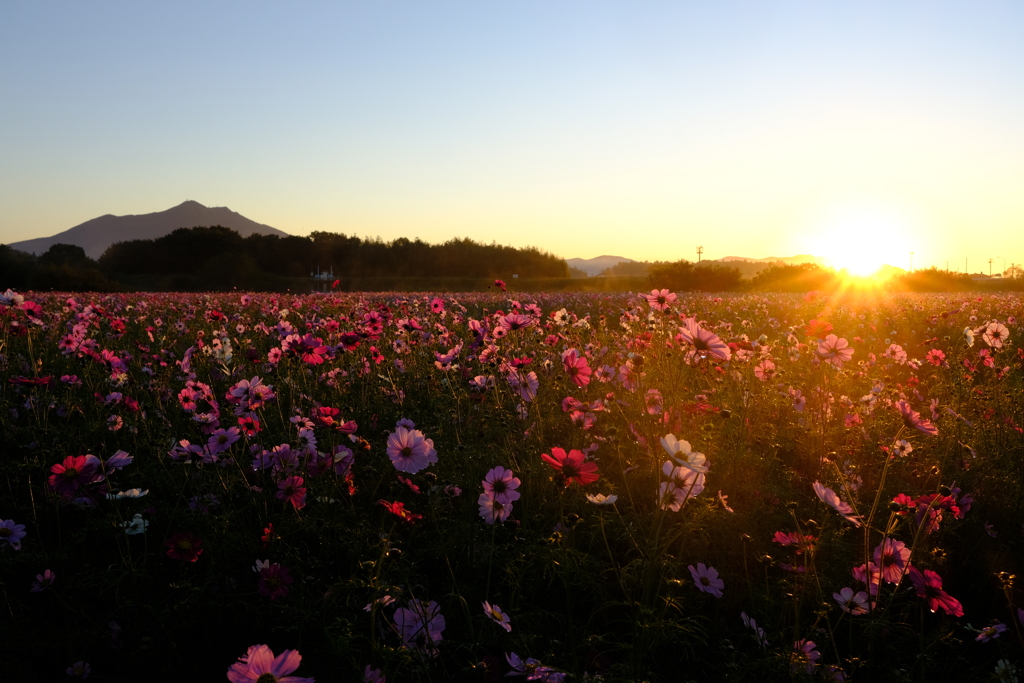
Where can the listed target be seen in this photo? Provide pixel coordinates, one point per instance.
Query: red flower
(928, 585)
(398, 509)
(572, 466)
(818, 329)
(268, 534)
(184, 546)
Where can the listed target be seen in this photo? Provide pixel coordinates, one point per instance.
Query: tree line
(218, 258)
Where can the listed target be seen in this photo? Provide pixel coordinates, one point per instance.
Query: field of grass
(562, 486)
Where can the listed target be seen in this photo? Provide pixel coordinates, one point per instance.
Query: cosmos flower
(892, 557)
(829, 497)
(501, 484)
(274, 581)
(572, 466)
(851, 602)
(11, 533)
(492, 510)
(660, 300)
(681, 452)
(398, 509)
(43, 581)
(928, 585)
(704, 342)
(184, 546)
(706, 579)
(410, 451)
(834, 350)
(259, 665)
(495, 614)
(913, 419)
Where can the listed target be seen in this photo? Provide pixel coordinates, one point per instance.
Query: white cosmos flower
(130, 493)
(136, 526)
(601, 499)
(689, 459)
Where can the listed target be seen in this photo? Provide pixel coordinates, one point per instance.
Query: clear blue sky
(639, 129)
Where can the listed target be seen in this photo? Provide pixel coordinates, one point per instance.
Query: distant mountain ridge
(99, 233)
(598, 264)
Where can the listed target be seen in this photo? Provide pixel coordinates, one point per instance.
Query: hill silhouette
(94, 236)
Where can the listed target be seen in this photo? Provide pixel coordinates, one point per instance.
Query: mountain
(99, 233)
(801, 258)
(593, 266)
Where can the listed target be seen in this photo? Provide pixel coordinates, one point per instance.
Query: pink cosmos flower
(829, 497)
(704, 343)
(835, 350)
(420, 625)
(260, 665)
(660, 300)
(495, 614)
(995, 334)
(293, 491)
(805, 656)
(685, 483)
(274, 581)
(892, 557)
(765, 370)
(410, 451)
(11, 533)
(759, 634)
(928, 585)
(853, 603)
(572, 466)
(576, 367)
(501, 484)
(936, 357)
(990, 632)
(706, 579)
(913, 419)
(515, 321)
(43, 581)
(371, 675)
(492, 510)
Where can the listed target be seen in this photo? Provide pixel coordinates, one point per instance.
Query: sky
(860, 131)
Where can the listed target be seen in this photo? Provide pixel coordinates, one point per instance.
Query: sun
(861, 241)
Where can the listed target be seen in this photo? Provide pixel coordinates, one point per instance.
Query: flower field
(578, 487)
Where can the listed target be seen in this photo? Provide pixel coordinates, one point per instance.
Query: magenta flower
(576, 367)
(829, 497)
(293, 491)
(501, 484)
(928, 585)
(11, 533)
(913, 419)
(43, 581)
(76, 471)
(259, 665)
(410, 451)
(706, 579)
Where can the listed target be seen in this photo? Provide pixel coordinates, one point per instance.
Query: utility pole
(911, 262)
(947, 265)
(965, 264)
(990, 267)
(700, 250)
